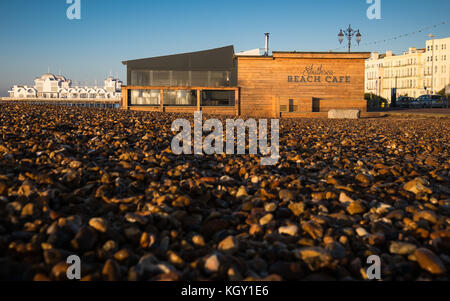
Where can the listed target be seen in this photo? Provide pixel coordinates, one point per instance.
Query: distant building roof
(48, 76)
(252, 52)
(60, 77)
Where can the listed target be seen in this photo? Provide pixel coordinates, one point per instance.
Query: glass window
(180, 98)
(145, 98)
(199, 78)
(161, 78)
(218, 98)
(219, 79)
(140, 78)
(181, 79)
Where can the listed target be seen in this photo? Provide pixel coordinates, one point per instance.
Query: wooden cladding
(301, 82)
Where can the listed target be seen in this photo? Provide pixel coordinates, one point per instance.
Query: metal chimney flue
(266, 49)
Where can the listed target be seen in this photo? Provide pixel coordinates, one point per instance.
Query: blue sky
(36, 35)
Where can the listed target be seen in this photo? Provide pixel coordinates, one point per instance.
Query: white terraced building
(49, 86)
(413, 73)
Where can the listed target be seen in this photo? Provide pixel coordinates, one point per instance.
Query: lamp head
(358, 37)
(341, 36)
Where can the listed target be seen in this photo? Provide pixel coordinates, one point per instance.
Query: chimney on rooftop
(266, 49)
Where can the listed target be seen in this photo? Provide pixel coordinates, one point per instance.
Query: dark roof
(213, 59)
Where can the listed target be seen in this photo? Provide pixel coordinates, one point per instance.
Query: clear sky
(37, 35)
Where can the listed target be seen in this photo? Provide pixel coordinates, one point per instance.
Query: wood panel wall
(264, 85)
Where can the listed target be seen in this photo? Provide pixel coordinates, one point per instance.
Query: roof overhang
(213, 59)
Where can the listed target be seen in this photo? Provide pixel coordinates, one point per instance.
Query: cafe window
(199, 78)
(291, 105)
(214, 98)
(180, 98)
(219, 79)
(160, 78)
(140, 78)
(180, 78)
(145, 98)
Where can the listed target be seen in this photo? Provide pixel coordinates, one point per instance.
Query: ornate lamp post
(349, 33)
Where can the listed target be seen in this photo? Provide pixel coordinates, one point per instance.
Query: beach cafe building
(218, 81)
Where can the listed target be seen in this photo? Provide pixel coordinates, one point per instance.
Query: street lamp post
(349, 33)
(379, 84)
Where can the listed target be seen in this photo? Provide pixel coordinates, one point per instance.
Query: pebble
(110, 246)
(429, 261)
(255, 180)
(99, 224)
(313, 228)
(266, 219)
(427, 215)
(229, 245)
(316, 258)
(336, 250)
(356, 208)
(363, 179)
(27, 189)
(270, 207)
(288, 230)
(198, 240)
(286, 195)
(344, 198)
(59, 271)
(147, 240)
(242, 192)
(417, 186)
(362, 232)
(27, 210)
(85, 239)
(212, 264)
(122, 255)
(402, 248)
(377, 239)
(297, 208)
(135, 218)
(111, 271)
(255, 229)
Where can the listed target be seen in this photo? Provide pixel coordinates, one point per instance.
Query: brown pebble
(429, 261)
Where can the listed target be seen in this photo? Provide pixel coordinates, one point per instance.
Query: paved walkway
(423, 111)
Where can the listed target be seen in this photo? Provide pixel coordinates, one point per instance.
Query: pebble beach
(104, 185)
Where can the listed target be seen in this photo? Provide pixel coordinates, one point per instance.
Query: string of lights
(397, 37)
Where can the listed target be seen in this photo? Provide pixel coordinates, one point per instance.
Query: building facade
(49, 86)
(439, 50)
(409, 74)
(220, 82)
